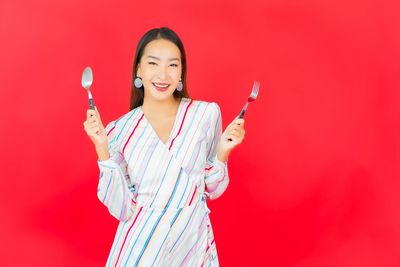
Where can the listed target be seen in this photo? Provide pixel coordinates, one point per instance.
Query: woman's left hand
(232, 137)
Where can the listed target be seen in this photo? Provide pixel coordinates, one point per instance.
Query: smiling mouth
(161, 86)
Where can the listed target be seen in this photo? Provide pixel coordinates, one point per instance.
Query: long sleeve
(216, 171)
(114, 189)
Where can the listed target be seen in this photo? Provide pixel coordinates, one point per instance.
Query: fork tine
(254, 91)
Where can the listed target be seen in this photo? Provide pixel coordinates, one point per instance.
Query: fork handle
(241, 115)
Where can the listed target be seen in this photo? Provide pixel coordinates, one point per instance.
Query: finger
(238, 136)
(90, 113)
(94, 131)
(238, 121)
(238, 127)
(232, 140)
(234, 132)
(97, 112)
(91, 126)
(95, 123)
(232, 126)
(91, 120)
(237, 140)
(238, 130)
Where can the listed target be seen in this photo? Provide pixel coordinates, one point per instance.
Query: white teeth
(161, 85)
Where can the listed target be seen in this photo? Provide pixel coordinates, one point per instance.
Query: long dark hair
(137, 94)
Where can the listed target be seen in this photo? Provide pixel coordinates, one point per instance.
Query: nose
(162, 73)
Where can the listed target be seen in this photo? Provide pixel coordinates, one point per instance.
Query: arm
(216, 170)
(114, 189)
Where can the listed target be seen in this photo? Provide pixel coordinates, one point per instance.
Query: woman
(161, 161)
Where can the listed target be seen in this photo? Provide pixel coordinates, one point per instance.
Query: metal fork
(252, 97)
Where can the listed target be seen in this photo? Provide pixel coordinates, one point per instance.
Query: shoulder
(210, 108)
(119, 123)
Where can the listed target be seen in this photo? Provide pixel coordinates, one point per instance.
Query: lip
(161, 89)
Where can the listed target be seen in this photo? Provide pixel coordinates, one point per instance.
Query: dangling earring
(138, 82)
(179, 87)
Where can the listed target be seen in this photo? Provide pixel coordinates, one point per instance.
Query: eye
(174, 65)
(152, 63)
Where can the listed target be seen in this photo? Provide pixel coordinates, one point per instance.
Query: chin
(161, 96)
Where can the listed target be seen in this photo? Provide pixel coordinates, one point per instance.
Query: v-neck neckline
(173, 126)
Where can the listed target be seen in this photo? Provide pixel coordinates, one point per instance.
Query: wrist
(223, 155)
(102, 153)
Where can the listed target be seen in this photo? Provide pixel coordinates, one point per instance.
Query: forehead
(162, 49)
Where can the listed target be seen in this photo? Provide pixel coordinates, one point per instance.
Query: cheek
(176, 73)
(148, 72)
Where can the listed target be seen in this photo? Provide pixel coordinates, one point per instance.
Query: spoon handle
(91, 103)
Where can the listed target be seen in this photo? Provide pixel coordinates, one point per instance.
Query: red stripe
(112, 129)
(132, 133)
(209, 168)
(210, 245)
(205, 257)
(119, 254)
(193, 196)
(180, 128)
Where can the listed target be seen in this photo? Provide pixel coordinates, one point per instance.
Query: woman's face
(160, 69)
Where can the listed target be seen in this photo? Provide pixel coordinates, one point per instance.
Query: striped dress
(158, 191)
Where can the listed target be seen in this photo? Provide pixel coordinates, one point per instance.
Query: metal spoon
(87, 80)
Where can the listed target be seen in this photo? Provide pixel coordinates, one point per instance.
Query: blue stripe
(130, 252)
(141, 173)
(175, 187)
(208, 176)
(119, 233)
(183, 230)
(148, 239)
(159, 219)
(126, 121)
(183, 194)
(165, 173)
(190, 125)
(138, 140)
(215, 138)
(176, 216)
(165, 238)
(109, 182)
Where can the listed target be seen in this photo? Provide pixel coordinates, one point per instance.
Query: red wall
(316, 181)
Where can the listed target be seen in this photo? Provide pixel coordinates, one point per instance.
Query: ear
(138, 72)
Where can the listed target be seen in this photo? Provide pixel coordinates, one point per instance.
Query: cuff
(107, 164)
(219, 162)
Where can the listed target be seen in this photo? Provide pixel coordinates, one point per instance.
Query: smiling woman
(160, 69)
(161, 161)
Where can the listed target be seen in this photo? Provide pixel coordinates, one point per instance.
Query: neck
(156, 108)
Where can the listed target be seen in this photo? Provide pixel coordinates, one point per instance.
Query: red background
(316, 181)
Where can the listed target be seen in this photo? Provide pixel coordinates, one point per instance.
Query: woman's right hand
(95, 130)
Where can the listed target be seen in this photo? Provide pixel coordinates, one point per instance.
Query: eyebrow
(170, 59)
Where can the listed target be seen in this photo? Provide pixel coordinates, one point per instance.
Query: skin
(160, 68)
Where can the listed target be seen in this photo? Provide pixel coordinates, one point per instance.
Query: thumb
(237, 120)
(97, 113)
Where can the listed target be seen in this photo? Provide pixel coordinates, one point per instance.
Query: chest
(162, 127)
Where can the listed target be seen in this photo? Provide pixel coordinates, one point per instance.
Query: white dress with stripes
(158, 190)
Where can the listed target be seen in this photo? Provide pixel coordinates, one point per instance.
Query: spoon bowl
(87, 78)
